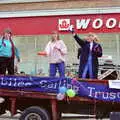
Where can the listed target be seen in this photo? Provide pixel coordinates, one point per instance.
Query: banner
(114, 84)
(83, 88)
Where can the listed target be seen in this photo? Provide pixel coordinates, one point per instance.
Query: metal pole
(118, 55)
(35, 55)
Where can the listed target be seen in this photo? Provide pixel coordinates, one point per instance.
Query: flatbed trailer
(45, 106)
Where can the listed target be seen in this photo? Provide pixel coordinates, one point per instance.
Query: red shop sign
(98, 23)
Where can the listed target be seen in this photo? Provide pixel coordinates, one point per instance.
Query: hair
(55, 32)
(7, 30)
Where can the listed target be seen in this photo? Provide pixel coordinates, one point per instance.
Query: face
(7, 35)
(90, 38)
(54, 36)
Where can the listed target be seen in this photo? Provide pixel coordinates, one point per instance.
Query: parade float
(45, 98)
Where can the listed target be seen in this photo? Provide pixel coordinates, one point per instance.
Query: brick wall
(60, 4)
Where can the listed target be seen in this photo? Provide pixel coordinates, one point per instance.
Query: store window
(110, 43)
(31, 63)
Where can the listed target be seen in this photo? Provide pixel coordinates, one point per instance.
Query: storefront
(32, 30)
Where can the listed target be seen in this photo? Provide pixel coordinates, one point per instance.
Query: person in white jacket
(56, 51)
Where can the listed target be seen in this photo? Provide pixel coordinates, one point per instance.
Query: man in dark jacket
(90, 51)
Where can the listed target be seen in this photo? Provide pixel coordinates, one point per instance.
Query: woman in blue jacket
(8, 51)
(90, 51)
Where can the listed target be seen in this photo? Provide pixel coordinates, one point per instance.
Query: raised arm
(79, 40)
(76, 37)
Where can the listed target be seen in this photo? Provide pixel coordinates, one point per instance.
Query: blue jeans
(57, 66)
(88, 70)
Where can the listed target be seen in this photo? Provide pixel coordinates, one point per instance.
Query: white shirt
(56, 55)
(91, 45)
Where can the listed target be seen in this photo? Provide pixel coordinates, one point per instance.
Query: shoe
(7, 113)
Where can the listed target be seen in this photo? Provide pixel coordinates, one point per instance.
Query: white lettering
(111, 23)
(51, 85)
(15, 82)
(105, 95)
(3, 82)
(112, 95)
(97, 23)
(10, 82)
(118, 94)
(21, 84)
(28, 84)
(90, 23)
(97, 93)
(82, 24)
(43, 83)
(91, 91)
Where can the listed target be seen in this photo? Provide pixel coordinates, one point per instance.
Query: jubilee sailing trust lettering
(103, 95)
(14, 82)
(29, 82)
(81, 88)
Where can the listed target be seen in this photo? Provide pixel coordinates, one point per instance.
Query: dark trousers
(6, 64)
(57, 66)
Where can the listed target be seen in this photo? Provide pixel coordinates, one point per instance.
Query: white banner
(114, 84)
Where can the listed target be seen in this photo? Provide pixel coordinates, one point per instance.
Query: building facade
(33, 20)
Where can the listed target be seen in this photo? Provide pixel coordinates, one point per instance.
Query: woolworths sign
(83, 23)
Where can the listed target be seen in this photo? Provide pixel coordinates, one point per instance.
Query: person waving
(90, 51)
